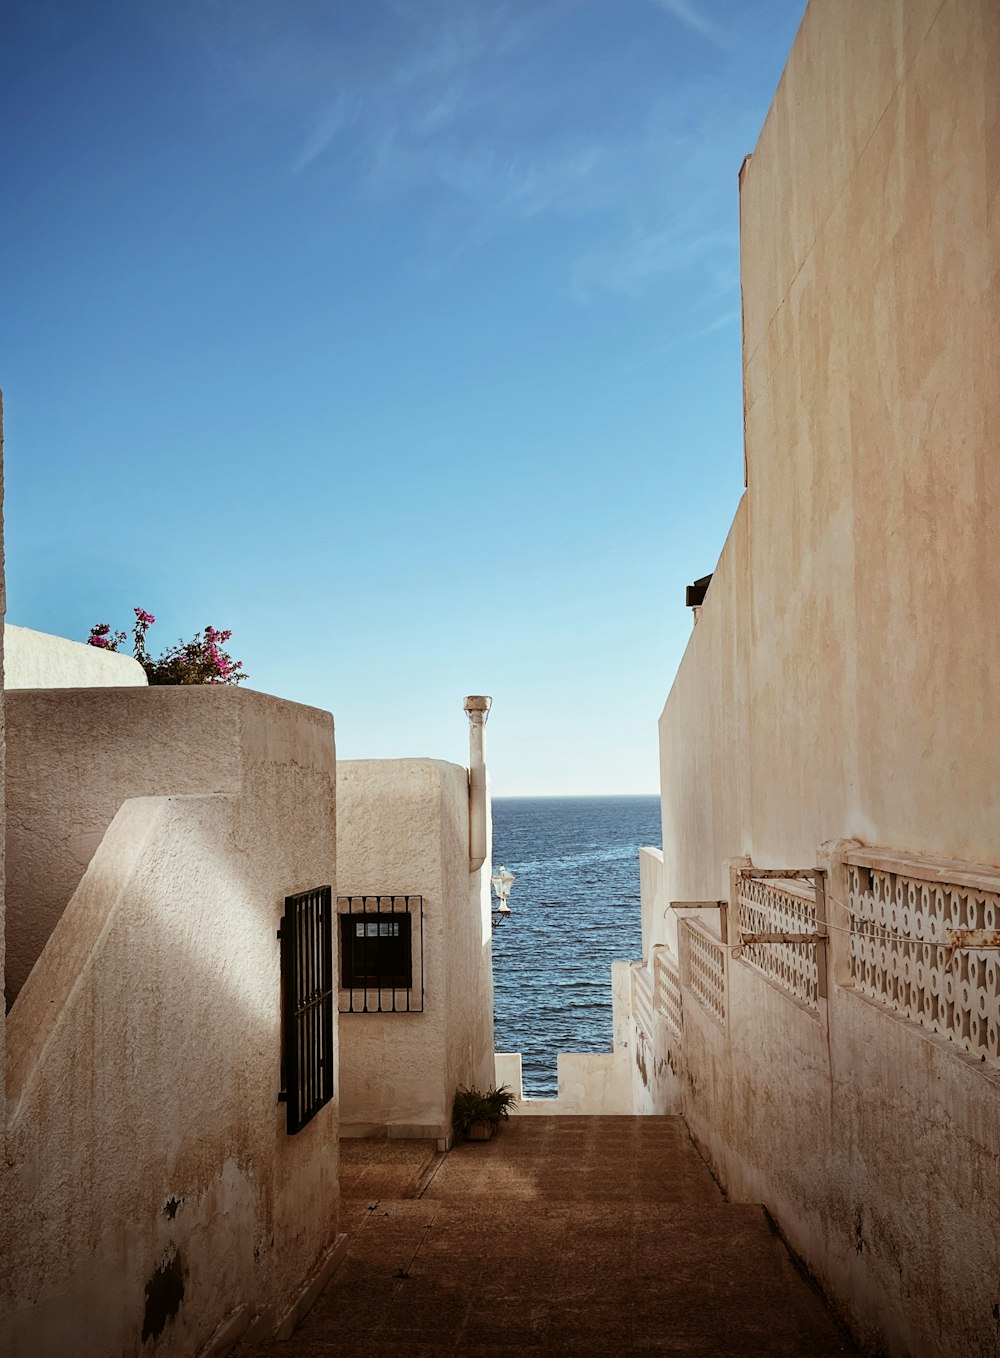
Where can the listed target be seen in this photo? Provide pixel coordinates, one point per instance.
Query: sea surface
(574, 910)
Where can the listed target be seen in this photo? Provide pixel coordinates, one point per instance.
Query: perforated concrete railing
(769, 906)
(667, 996)
(907, 955)
(642, 1000)
(703, 968)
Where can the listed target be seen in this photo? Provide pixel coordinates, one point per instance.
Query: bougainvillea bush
(201, 660)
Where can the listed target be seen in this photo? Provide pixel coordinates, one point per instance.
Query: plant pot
(480, 1131)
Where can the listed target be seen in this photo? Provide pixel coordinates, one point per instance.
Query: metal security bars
(306, 936)
(381, 954)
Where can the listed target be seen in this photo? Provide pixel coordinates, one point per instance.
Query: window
(375, 952)
(381, 954)
(306, 936)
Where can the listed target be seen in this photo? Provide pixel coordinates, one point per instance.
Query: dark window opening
(376, 951)
(381, 954)
(694, 595)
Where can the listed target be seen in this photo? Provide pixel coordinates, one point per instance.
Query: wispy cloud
(719, 323)
(630, 266)
(339, 114)
(468, 99)
(695, 19)
(661, 354)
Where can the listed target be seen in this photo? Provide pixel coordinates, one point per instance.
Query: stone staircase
(562, 1235)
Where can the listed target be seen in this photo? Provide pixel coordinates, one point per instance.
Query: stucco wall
(469, 952)
(146, 1148)
(73, 757)
(403, 828)
(840, 682)
(847, 612)
(875, 1146)
(38, 660)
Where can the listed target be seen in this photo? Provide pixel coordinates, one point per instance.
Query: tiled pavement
(569, 1236)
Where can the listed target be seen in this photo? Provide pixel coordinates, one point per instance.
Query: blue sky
(400, 336)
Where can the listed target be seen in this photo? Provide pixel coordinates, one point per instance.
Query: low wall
(874, 1141)
(588, 1083)
(403, 830)
(653, 902)
(152, 1197)
(37, 660)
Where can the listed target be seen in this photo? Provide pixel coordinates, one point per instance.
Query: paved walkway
(568, 1236)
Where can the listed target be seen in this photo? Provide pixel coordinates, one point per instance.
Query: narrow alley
(562, 1235)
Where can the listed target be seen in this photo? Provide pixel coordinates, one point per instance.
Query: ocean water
(575, 910)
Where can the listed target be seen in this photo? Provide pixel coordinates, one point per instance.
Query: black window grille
(306, 935)
(381, 954)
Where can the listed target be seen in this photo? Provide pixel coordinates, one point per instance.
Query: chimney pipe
(478, 708)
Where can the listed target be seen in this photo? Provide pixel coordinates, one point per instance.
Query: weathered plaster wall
(151, 1191)
(703, 730)
(860, 569)
(403, 828)
(653, 905)
(875, 1146)
(840, 682)
(72, 761)
(38, 660)
(469, 950)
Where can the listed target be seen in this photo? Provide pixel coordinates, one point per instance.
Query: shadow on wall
(153, 1190)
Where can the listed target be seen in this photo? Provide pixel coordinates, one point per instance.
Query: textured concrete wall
(840, 682)
(469, 952)
(403, 828)
(76, 755)
(840, 641)
(876, 1148)
(38, 660)
(151, 1191)
(870, 353)
(73, 757)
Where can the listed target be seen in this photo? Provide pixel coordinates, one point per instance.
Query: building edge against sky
(836, 707)
(810, 998)
(159, 1184)
(830, 1041)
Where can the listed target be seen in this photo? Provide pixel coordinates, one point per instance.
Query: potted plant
(476, 1115)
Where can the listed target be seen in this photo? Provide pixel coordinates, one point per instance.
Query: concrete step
(384, 1168)
(586, 1159)
(633, 1252)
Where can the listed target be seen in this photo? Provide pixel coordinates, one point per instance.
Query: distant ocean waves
(575, 905)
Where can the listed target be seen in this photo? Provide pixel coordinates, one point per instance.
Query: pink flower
(199, 661)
